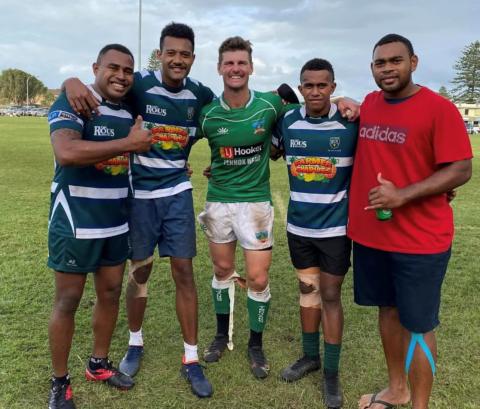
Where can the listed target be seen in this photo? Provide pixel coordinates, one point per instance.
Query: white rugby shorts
(251, 223)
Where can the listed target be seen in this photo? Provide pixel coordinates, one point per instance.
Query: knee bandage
(136, 289)
(260, 296)
(418, 338)
(309, 285)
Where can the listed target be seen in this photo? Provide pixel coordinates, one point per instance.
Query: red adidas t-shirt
(406, 142)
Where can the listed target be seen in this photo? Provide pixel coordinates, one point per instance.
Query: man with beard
(412, 149)
(161, 211)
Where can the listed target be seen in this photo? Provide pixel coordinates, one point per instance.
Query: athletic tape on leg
(230, 284)
(418, 338)
(231, 294)
(140, 290)
(309, 290)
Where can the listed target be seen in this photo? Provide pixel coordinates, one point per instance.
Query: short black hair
(317, 64)
(116, 47)
(395, 38)
(177, 30)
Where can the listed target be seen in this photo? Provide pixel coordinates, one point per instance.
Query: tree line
(465, 84)
(13, 87)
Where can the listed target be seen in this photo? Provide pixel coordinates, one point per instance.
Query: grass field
(26, 293)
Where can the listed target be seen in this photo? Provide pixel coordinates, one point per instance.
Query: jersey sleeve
(450, 138)
(199, 133)
(62, 115)
(277, 134)
(207, 94)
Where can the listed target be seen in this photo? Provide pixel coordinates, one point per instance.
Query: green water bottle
(384, 214)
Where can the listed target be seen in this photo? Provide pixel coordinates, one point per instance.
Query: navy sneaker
(130, 363)
(110, 375)
(61, 396)
(200, 385)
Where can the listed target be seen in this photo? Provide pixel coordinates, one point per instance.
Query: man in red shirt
(412, 149)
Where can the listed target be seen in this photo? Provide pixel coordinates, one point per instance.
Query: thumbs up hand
(385, 196)
(139, 139)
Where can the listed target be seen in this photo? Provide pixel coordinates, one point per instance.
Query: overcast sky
(57, 39)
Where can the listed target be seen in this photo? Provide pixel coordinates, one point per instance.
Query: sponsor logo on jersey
(334, 142)
(154, 110)
(222, 131)
(382, 133)
(68, 116)
(102, 130)
(114, 166)
(258, 126)
(167, 137)
(190, 113)
(297, 143)
(262, 236)
(230, 152)
(313, 169)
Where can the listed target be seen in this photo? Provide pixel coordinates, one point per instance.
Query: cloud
(73, 69)
(56, 39)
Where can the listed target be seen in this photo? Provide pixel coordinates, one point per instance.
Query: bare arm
(275, 152)
(387, 196)
(80, 97)
(348, 107)
(71, 150)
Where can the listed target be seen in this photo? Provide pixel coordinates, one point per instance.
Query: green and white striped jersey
(172, 115)
(89, 202)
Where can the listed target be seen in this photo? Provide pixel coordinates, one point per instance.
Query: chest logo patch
(313, 169)
(334, 142)
(167, 137)
(222, 131)
(114, 166)
(258, 126)
(190, 113)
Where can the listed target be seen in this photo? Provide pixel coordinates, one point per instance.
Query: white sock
(136, 338)
(191, 353)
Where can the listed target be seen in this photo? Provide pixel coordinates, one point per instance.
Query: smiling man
(88, 229)
(161, 211)
(412, 149)
(319, 145)
(238, 127)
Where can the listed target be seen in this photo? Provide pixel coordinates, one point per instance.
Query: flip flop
(373, 400)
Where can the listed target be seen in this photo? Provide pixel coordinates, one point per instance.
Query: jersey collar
(225, 106)
(331, 113)
(158, 76)
(103, 100)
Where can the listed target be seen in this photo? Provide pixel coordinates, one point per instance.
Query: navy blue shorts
(410, 282)
(166, 222)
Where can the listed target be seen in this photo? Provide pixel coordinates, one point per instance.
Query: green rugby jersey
(89, 202)
(172, 115)
(239, 140)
